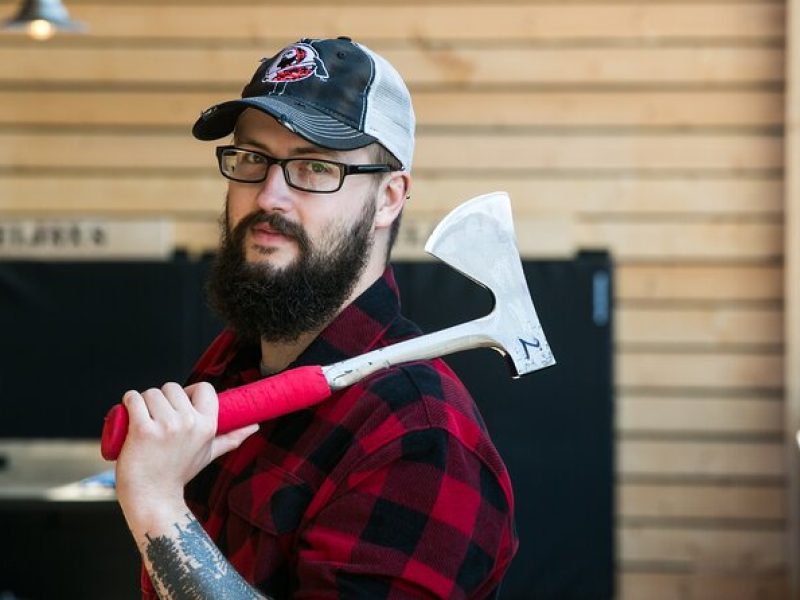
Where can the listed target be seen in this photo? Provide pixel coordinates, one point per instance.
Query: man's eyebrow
(238, 141)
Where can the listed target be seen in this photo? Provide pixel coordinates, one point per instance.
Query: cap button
(344, 38)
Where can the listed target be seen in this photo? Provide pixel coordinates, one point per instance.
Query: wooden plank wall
(652, 128)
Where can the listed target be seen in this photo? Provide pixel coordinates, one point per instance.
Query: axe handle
(302, 387)
(261, 400)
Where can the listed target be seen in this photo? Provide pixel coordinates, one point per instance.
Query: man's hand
(171, 438)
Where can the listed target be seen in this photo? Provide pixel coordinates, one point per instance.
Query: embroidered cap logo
(295, 63)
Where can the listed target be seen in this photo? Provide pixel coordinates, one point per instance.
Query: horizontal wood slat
(686, 282)
(654, 501)
(703, 586)
(702, 108)
(516, 21)
(717, 325)
(690, 241)
(113, 194)
(431, 194)
(681, 415)
(546, 109)
(697, 459)
(704, 549)
(468, 152)
(717, 370)
(624, 152)
(419, 66)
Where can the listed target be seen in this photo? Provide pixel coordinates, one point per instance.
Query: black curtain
(77, 335)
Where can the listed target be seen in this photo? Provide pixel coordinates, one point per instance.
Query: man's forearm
(184, 563)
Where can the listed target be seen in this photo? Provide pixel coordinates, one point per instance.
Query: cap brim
(297, 116)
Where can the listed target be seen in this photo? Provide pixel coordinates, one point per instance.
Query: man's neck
(276, 356)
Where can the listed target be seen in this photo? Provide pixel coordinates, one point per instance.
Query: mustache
(277, 222)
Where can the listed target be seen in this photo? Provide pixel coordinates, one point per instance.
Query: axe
(477, 239)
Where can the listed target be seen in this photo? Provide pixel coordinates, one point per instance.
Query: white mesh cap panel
(389, 115)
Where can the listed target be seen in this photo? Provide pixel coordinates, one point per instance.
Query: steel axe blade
(477, 239)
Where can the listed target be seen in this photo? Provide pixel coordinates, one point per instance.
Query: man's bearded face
(259, 300)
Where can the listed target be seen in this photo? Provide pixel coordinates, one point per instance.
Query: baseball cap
(335, 93)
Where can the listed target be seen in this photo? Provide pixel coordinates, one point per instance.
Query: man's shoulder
(418, 396)
(418, 381)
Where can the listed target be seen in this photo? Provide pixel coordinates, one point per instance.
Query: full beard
(260, 301)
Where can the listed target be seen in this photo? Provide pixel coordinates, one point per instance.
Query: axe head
(477, 239)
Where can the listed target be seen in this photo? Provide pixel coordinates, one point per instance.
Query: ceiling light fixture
(42, 18)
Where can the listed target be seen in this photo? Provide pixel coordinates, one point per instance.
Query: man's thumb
(230, 441)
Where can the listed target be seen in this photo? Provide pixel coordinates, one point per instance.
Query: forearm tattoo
(189, 566)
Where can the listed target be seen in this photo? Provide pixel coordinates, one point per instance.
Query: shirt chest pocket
(272, 499)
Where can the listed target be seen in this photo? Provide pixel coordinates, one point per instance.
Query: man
(392, 487)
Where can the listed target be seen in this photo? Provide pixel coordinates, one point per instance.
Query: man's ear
(392, 197)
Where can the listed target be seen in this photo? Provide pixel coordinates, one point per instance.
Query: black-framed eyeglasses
(306, 174)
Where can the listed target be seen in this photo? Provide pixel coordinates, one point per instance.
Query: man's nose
(274, 193)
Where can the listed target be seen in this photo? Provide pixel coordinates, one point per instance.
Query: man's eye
(251, 158)
(319, 168)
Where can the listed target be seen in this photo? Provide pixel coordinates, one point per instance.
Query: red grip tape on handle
(252, 403)
(271, 397)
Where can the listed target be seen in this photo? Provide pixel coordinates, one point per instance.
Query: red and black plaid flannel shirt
(389, 489)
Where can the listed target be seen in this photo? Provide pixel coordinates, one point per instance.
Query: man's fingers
(136, 407)
(204, 398)
(160, 408)
(223, 444)
(177, 397)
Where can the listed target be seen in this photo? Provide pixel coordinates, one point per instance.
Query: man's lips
(264, 233)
